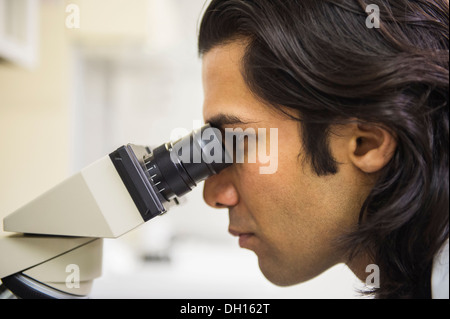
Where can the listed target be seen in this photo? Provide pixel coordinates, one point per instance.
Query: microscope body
(57, 238)
(55, 246)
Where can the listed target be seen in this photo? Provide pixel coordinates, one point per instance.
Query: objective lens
(176, 168)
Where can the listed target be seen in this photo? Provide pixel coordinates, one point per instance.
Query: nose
(220, 192)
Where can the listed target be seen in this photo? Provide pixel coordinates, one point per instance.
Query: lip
(244, 237)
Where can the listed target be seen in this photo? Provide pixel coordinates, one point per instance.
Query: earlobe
(371, 147)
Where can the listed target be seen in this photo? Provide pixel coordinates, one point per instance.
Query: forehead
(224, 60)
(225, 91)
(227, 94)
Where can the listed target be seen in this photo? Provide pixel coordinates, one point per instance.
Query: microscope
(54, 250)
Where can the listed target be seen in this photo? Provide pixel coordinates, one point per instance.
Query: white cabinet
(19, 31)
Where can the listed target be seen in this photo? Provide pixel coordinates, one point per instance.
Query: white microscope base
(67, 264)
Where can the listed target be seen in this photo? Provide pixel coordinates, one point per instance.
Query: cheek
(295, 210)
(270, 199)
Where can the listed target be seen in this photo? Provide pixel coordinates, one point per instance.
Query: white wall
(34, 116)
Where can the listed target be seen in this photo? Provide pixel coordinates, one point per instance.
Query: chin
(281, 276)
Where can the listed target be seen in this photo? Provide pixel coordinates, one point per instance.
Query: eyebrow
(220, 120)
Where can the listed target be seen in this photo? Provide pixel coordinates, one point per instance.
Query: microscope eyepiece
(176, 168)
(155, 177)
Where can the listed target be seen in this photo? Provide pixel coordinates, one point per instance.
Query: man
(359, 97)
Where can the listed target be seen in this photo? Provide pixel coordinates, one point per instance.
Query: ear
(371, 147)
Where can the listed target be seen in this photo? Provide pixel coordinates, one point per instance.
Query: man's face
(291, 218)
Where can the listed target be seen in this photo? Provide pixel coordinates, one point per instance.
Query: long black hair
(328, 60)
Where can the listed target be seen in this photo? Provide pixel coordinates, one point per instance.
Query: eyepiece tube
(176, 168)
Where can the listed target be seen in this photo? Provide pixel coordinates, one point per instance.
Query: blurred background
(80, 78)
